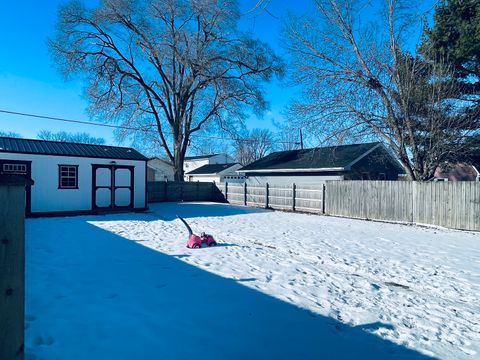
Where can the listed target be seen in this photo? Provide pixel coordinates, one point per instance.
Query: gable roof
(332, 158)
(211, 169)
(60, 148)
(199, 157)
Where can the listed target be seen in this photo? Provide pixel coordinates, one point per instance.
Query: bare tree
(254, 145)
(361, 82)
(10, 134)
(165, 65)
(287, 137)
(80, 137)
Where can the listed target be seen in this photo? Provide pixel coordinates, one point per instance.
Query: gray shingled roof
(210, 169)
(317, 158)
(60, 148)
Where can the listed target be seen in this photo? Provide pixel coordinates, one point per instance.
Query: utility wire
(145, 129)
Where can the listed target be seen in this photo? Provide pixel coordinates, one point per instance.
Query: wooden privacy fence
(158, 191)
(449, 204)
(307, 198)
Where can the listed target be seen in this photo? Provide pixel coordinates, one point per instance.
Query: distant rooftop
(210, 169)
(61, 148)
(317, 158)
(199, 157)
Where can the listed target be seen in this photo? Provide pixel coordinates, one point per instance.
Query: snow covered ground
(278, 286)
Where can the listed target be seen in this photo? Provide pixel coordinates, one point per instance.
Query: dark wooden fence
(12, 267)
(159, 191)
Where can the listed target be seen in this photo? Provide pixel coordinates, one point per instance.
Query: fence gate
(112, 186)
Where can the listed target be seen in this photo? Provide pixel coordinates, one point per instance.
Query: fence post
(12, 266)
(226, 191)
(293, 196)
(245, 193)
(197, 195)
(414, 218)
(266, 195)
(212, 192)
(323, 197)
(165, 190)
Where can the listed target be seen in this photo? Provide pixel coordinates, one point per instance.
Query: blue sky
(30, 83)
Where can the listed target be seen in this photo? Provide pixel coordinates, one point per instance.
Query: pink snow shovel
(195, 241)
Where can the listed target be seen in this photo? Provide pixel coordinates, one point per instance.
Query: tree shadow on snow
(101, 296)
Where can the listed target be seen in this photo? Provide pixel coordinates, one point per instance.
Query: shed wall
(46, 197)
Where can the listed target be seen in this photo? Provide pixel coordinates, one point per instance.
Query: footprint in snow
(41, 341)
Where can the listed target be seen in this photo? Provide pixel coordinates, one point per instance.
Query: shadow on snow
(97, 295)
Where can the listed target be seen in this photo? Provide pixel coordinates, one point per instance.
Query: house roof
(199, 157)
(60, 148)
(332, 158)
(211, 169)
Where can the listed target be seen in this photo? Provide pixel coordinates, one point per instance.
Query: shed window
(15, 168)
(68, 176)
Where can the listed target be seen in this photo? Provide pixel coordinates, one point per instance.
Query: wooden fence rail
(449, 204)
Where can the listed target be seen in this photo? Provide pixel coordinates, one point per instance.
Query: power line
(145, 129)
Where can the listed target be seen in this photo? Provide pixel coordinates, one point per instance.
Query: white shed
(72, 178)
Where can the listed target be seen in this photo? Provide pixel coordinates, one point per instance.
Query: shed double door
(112, 186)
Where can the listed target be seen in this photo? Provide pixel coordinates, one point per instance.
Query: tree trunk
(179, 156)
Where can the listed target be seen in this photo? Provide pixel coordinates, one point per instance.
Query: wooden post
(245, 193)
(293, 196)
(266, 195)
(12, 266)
(226, 191)
(323, 197)
(165, 191)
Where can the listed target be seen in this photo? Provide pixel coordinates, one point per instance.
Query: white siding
(204, 178)
(162, 170)
(45, 193)
(190, 165)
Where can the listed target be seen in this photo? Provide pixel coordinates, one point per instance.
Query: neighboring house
(370, 161)
(215, 172)
(194, 162)
(159, 170)
(458, 172)
(72, 178)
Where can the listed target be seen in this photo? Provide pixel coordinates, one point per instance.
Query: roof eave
(295, 170)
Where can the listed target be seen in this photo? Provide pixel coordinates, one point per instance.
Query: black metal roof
(317, 158)
(60, 148)
(210, 169)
